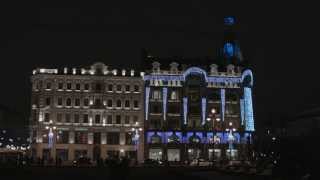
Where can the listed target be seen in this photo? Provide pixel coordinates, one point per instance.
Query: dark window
(98, 102)
(69, 86)
(68, 118)
(85, 118)
(60, 86)
(59, 117)
(127, 88)
(47, 117)
(109, 119)
(136, 88)
(69, 102)
(96, 138)
(76, 118)
(127, 104)
(109, 103)
(97, 119)
(110, 87)
(59, 101)
(118, 119)
(77, 102)
(48, 101)
(77, 86)
(86, 102)
(48, 86)
(86, 87)
(113, 138)
(129, 138)
(119, 103)
(63, 137)
(136, 104)
(81, 137)
(135, 119)
(127, 119)
(118, 87)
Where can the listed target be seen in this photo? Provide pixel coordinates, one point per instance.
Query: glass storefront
(155, 154)
(173, 154)
(194, 154)
(232, 154)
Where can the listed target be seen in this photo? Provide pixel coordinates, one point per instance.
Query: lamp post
(135, 136)
(51, 139)
(230, 137)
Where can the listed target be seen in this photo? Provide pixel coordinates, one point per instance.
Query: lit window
(173, 95)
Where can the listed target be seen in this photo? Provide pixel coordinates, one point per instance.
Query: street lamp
(136, 135)
(51, 128)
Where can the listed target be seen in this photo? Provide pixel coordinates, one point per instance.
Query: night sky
(281, 41)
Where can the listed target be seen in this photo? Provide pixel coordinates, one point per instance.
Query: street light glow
(213, 111)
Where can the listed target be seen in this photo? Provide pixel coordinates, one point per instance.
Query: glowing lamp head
(140, 129)
(213, 111)
(47, 127)
(208, 119)
(230, 123)
(218, 119)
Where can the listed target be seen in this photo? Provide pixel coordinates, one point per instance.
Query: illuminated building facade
(94, 113)
(199, 108)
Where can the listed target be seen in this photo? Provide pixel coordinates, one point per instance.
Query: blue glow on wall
(164, 101)
(248, 110)
(149, 135)
(223, 102)
(185, 109)
(204, 109)
(215, 79)
(242, 111)
(228, 50)
(147, 102)
(245, 73)
(229, 21)
(195, 70)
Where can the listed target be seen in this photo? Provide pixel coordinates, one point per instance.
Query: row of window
(96, 102)
(88, 86)
(157, 94)
(81, 137)
(96, 119)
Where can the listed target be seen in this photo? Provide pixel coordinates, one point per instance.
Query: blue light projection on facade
(245, 73)
(185, 109)
(223, 102)
(204, 108)
(228, 50)
(248, 110)
(195, 70)
(242, 111)
(147, 102)
(164, 101)
(229, 20)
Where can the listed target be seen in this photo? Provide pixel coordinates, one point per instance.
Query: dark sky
(280, 40)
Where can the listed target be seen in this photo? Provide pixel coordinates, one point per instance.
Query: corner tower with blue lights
(200, 107)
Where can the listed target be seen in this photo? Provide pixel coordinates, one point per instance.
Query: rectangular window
(78, 86)
(156, 94)
(109, 119)
(129, 138)
(97, 118)
(86, 102)
(77, 102)
(46, 117)
(127, 104)
(86, 87)
(109, 103)
(59, 117)
(97, 138)
(63, 137)
(113, 138)
(48, 101)
(85, 118)
(81, 137)
(119, 88)
(127, 88)
(110, 87)
(136, 88)
(118, 119)
(76, 118)
(59, 101)
(69, 86)
(127, 120)
(136, 104)
(68, 118)
(48, 86)
(60, 86)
